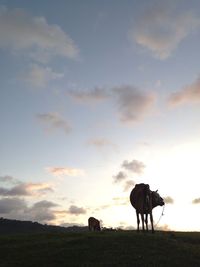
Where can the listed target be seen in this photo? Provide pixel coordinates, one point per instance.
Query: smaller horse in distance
(144, 201)
(94, 224)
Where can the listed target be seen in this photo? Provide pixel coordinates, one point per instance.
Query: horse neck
(154, 204)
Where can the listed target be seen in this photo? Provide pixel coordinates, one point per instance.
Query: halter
(162, 213)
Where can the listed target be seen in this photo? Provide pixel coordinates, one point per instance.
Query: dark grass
(122, 248)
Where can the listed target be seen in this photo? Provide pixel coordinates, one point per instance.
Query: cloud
(189, 94)
(39, 76)
(95, 95)
(168, 200)
(8, 179)
(162, 28)
(26, 189)
(65, 171)
(7, 205)
(101, 142)
(133, 104)
(119, 177)
(134, 166)
(128, 185)
(196, 201)
(53, 121)
(17, 208)
(20, 31)
(74, 210)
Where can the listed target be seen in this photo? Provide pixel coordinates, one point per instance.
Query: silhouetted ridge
(8, 226)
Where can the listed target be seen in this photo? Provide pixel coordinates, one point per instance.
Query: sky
(95, 97)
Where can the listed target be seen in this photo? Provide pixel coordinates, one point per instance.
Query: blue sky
(87, 86)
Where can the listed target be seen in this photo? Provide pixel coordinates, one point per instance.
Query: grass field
(122, 248)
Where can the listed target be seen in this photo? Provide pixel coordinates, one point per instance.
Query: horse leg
(146, 221)
(138, 221)
(142, 216)
(151, 218)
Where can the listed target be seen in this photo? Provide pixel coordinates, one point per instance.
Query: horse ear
(156, 190)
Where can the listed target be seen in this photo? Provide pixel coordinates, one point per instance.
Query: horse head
(157, 200)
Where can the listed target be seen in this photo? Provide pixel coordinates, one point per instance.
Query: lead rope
(160, 216)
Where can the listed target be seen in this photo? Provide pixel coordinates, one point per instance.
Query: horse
(93, 224)
(144, 201)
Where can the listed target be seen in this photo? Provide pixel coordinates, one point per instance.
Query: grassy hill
(121, 248)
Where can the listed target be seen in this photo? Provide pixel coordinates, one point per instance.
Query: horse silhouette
(144, 201)
(93, 224)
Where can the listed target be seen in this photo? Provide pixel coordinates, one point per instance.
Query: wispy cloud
(95, 95)
(74, 210)
(168, 200)
(8, 179)
(196, 201)
(132, 103)
(121, 176)
(128, 185)
(65, 171)
(53, 121)
(30, 35)
(189, 94)
(134, 166)
(101, 143)
(163, 27)
(39, 76)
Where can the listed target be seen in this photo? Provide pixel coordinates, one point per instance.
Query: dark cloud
(17, 208)
(189, 94)
(196, 201)
(168, 200)
(8, 205)
(120, 177)
(134, 166)
(26, 189)
(53, 121)
(42, 211)
(74, 210)
(133, 104)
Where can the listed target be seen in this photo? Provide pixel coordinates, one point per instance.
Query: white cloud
(20, 31)
(162, 27)
(53, 121)
(39, 76)
(65, 171)
(189, 94)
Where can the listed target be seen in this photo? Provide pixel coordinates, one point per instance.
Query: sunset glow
(97, 96)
